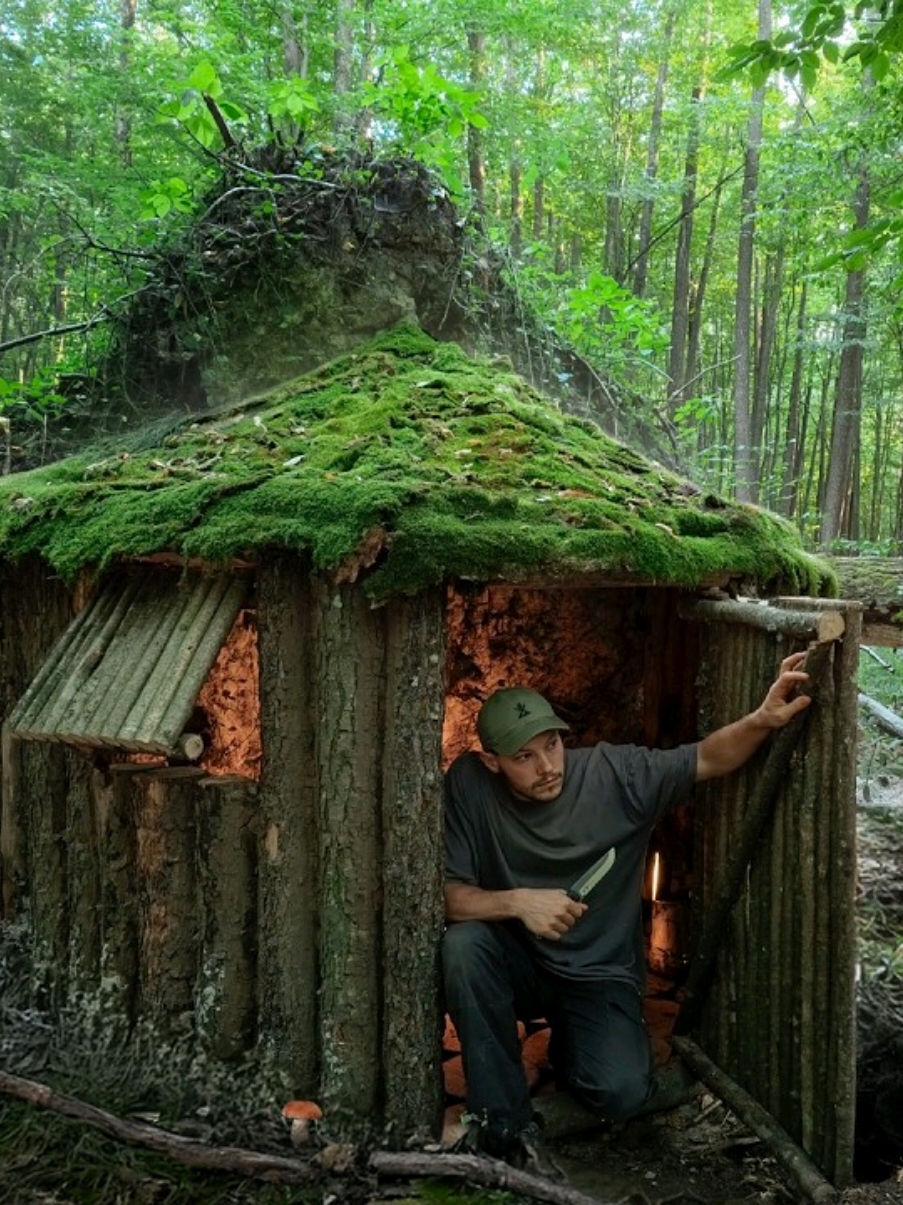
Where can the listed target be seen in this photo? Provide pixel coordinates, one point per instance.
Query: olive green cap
(509, 718)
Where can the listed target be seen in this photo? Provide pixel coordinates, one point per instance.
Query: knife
(594, 875)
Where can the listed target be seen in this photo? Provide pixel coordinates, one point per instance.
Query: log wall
(257, 916)
(780, 1015)
(299, 917)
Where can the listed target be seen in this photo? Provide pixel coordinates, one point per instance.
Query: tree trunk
(350, 695)
(476, 47)
(413, 862)
(680, 305)
(295, 54)
(655, 131)
(848, 395)
(693, 368)
(226, 993)
(343, 64)
(123, 132)
(746, 453)
(793, 449)
(288, 973)
(768, 322)
(168, 909)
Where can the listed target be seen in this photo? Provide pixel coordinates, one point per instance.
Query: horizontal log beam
(822, 625)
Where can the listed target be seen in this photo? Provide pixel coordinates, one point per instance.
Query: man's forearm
(547, 912)
(463, 901)
(730, 747)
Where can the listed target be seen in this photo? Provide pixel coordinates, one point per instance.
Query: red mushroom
(303, 1114)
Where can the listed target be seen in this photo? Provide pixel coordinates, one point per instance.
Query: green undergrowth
(417, 463)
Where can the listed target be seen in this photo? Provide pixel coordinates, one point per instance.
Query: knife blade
(596, 873)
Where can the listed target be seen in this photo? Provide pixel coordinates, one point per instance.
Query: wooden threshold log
(729, 885)
(819, 625)
(477, 1169)
(887, 719)
(805, 1174)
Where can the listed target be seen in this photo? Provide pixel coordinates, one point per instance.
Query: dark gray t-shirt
(613, 795)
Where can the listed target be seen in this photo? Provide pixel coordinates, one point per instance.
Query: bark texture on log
(225, 995)
(33, 844)
(168, 905)
(114, 811)
(733, 872)
(350, 669)
(413, 862)
(288, 974)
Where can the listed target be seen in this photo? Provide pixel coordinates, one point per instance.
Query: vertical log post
(83, 875)
(11, 865)
(288, 905)
(118, 921)
(169, 938)
(350, 686)
(412, 863)
(225, 996)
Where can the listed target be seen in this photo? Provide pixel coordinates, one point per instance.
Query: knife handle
(573, 895)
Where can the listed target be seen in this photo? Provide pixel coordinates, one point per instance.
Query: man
(525, 819)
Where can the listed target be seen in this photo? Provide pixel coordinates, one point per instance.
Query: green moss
(461, 465)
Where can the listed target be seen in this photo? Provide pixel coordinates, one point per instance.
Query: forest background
(701, 196)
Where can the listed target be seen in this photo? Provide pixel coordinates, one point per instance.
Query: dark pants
(599, 1045)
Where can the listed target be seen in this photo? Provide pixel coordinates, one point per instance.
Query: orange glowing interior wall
(229, 704)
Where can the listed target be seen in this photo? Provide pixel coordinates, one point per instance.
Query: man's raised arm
(728, 748)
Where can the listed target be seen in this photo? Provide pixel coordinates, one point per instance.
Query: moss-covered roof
(409, 456)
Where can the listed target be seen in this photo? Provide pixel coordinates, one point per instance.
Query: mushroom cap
(302, 1110)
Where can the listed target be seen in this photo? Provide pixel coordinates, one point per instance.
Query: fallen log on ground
(795, 1161)
(886, 719)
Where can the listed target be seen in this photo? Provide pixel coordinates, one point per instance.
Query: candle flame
(656, 869)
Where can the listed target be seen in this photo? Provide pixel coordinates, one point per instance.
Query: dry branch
(476, 1169)
(806, 1175)
(182, 1150)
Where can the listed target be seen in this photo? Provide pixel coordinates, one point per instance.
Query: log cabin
(234, 663)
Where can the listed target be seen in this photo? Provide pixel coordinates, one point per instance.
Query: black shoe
(532, 1156)
(521, 1147)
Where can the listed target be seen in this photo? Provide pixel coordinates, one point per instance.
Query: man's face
(535, 772)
